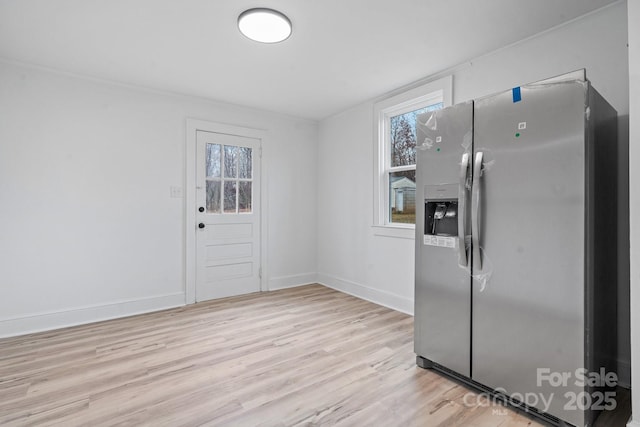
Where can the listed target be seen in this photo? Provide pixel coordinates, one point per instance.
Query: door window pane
(230, 190)
(244, 162)
(402, 197)
(229, 183)
(213, 196)
(213, 160)
(230, 161)
(244, 197)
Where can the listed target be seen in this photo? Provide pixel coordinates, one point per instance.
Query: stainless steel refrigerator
(516, 243)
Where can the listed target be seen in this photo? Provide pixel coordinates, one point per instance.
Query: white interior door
(227, 215)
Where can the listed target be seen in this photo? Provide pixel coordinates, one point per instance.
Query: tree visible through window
(229, 179)
(402, 165)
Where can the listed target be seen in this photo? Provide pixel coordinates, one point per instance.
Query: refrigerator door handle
(475, 207)
(463, 260)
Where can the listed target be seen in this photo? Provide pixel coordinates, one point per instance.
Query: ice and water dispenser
(441, 215)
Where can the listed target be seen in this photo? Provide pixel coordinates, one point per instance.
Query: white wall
(87, 227)
(351, 257)
(634, 172)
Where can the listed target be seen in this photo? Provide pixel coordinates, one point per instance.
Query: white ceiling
(341, 52)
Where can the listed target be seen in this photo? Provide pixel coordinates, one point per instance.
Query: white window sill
(397, 231)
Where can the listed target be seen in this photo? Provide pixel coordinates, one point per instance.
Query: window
(229, 182)
(395, 187)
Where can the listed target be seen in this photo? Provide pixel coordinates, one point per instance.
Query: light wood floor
(303, 356)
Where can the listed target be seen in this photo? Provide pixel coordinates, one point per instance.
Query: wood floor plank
(299, 357)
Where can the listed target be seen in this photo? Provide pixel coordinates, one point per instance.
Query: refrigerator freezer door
(529, 315)
(442, 294)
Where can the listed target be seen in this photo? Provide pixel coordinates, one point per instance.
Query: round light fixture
(264, 25)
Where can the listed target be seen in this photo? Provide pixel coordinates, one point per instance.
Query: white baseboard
(82, 315)
(387, 299)
(295, 280)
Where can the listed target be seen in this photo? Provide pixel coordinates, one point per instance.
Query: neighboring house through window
(395, 181)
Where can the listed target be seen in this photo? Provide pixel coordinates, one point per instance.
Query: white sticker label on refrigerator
(440, 241)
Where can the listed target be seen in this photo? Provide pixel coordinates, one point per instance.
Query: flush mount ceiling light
(264, 25)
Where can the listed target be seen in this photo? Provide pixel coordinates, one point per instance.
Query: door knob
(201, 225)
(200, 209)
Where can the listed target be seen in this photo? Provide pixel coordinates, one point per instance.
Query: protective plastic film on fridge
(516, 246)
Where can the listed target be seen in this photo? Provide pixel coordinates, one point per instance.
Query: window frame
(438, 91)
